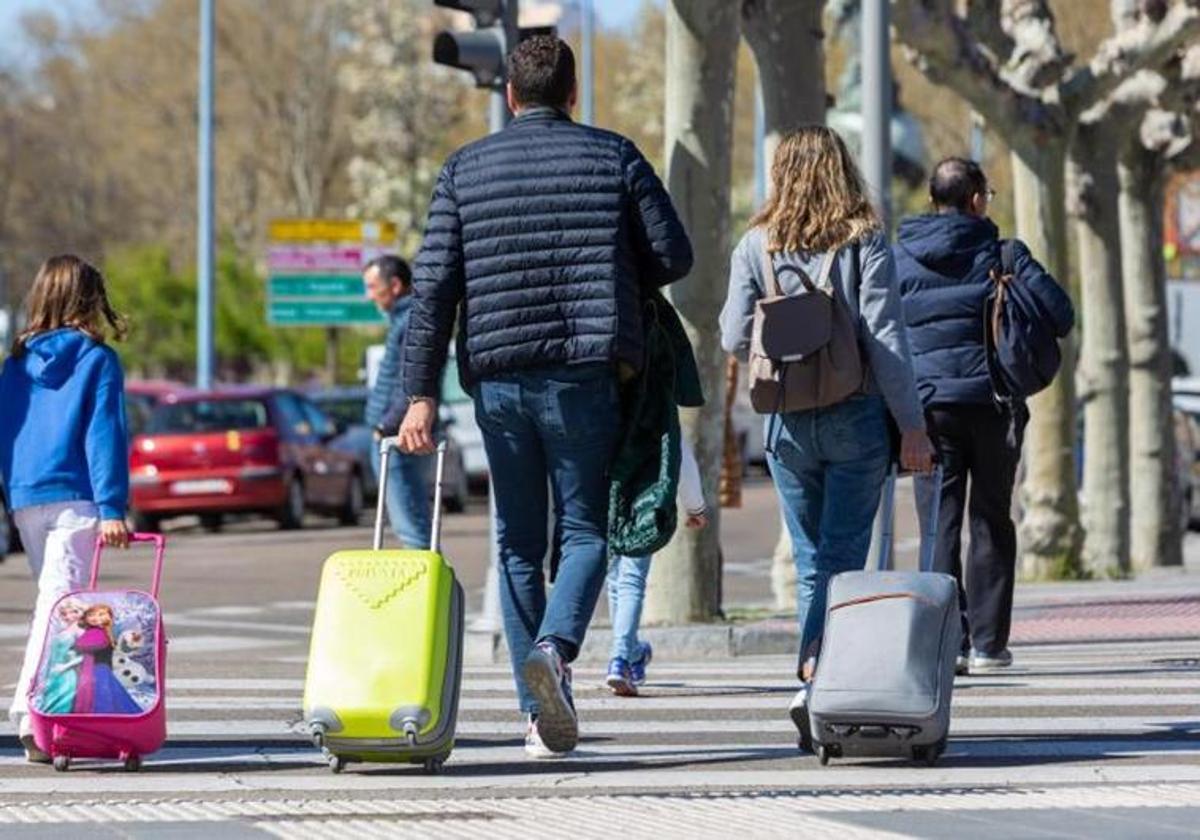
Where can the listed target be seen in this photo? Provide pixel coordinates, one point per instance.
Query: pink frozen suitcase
(98, 691)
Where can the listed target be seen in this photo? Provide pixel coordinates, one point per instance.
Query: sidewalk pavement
(1163, 604)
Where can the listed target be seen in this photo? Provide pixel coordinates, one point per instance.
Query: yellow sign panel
(331, 230)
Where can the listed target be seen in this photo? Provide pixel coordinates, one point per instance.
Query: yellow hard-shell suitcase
(385, 662)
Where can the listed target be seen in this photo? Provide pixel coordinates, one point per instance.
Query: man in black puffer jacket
(944, 261)
(541, 239)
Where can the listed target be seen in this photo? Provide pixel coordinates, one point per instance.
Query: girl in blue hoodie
(63, 446)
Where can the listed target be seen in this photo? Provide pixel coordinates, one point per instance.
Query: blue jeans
(558, 427)
(828, 466)
(626, 591)
(409, 497)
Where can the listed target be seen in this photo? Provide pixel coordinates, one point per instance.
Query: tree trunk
(783, 571)
(1156, 537)
(1050, 535)
(1103, 365)
(702, 38)
(787, 39)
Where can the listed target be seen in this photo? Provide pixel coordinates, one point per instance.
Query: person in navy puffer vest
(944, 261)
(540, 240)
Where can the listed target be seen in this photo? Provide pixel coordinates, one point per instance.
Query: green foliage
(160, 302)
(161, 306)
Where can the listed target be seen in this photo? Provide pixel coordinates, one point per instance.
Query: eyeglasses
(990, 194)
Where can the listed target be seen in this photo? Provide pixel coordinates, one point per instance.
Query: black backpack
(1022, 344)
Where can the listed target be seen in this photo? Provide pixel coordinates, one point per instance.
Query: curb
(687, 643)
(780, 636)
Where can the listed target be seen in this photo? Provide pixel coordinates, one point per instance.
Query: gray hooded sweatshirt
(864, 276)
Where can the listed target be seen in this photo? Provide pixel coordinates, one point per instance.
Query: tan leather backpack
(804, 351)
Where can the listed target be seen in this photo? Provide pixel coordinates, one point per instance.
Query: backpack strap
(827, 262)
(769, 272)
(773, 276)
(1008, 257)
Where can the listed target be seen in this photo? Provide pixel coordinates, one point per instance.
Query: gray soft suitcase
(886, 670)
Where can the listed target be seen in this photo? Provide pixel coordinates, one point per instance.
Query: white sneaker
(549, 680)
(982, 663)
(535, 747)
(798, 712)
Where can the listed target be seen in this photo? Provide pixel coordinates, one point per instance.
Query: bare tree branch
(1037, 60)
(1145, 45)
(939, 43)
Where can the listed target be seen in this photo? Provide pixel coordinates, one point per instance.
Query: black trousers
(980, 447)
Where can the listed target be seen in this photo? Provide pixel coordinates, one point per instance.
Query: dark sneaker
(982, 663)
(798, 711)
(638, 667)
(620, 678)
(535, 747)
(549, 678)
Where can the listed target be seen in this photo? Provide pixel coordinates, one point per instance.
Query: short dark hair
(391, 267)
(542, 71)
(955, 181)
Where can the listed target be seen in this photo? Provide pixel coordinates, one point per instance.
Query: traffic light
(482, 51)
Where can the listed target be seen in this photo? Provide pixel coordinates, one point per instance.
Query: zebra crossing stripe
(762, 701)
(566, 776)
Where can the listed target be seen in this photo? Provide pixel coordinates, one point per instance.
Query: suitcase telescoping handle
(160, 550)
(385, 450)
(928, 529)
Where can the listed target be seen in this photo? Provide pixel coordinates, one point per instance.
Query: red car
(141, 397)
(257, 450)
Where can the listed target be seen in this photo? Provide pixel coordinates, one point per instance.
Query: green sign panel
(295, 313)
(316, 285)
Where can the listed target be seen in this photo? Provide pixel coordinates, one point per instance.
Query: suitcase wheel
(929, 754)
(336, 763)
(133, 763)
(318, 735)
(433, 766)
(823, 754)
(62, 763)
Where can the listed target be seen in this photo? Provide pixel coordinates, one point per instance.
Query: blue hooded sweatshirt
(944, 263)
(62, 424)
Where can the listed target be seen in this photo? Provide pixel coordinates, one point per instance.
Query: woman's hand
(916, 451)
(114, 533)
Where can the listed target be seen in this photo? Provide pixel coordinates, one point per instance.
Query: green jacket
(642, 512)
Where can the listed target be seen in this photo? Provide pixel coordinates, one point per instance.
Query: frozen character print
(133, 675)
(99, 691)
(61, 671)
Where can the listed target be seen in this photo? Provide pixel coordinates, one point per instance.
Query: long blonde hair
(817, 200)
(69, 292)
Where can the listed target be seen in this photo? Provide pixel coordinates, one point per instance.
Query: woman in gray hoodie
(828, 464)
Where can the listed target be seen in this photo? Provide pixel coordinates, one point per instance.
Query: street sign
(316, 285)
(307, 313)
(331, 230)
(315, 271)
(350, 259)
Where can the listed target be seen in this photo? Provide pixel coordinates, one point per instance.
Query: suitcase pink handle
(160, 549)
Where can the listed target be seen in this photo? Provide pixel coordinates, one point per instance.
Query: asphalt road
(1097, 738)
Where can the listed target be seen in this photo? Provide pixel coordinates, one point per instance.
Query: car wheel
(454, 503)
(144, 523)
(454, 498)
(212, 522)
(352, 508)
(291, 515)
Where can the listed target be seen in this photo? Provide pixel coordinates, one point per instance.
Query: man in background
(388, 283)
